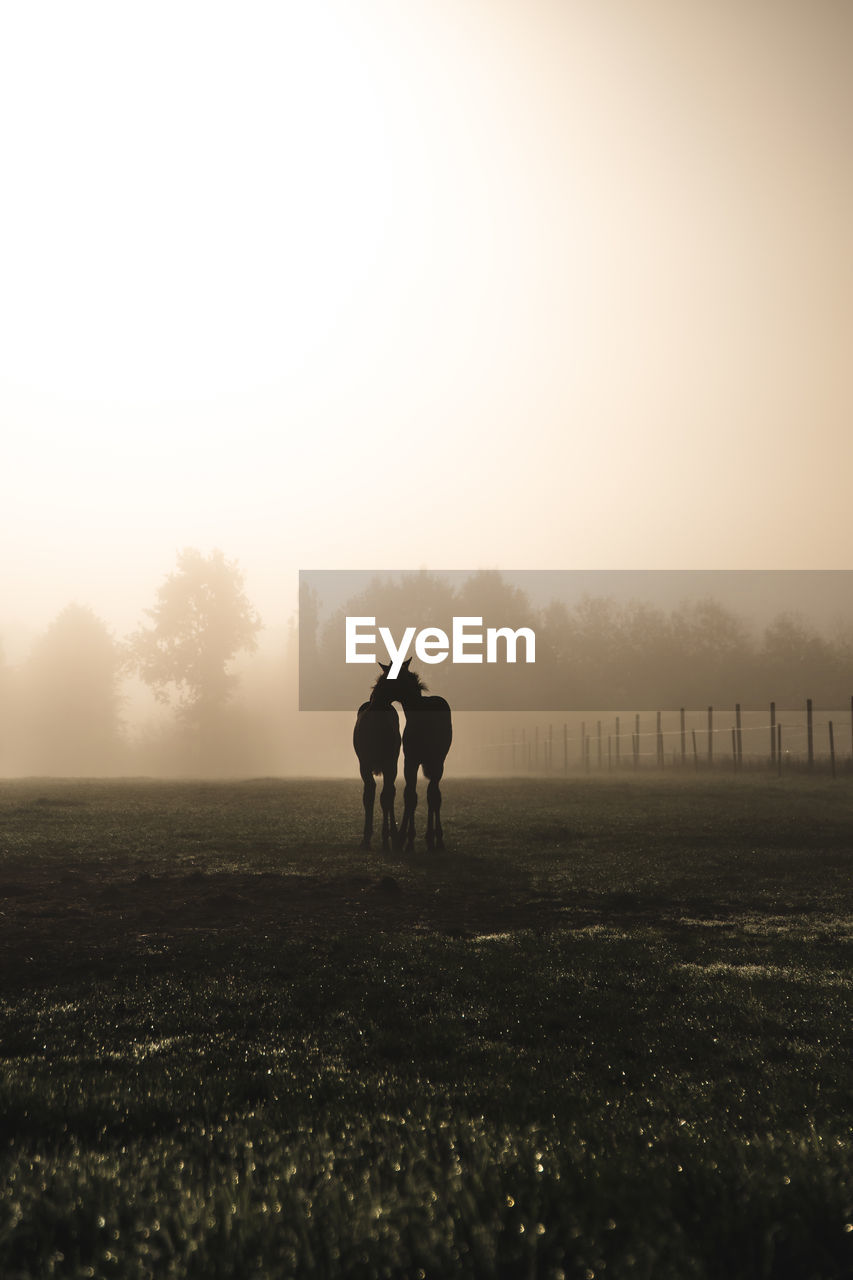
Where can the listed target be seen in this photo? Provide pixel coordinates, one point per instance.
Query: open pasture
(607, 1032)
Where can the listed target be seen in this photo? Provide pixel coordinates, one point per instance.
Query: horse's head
(384, 689)
(408, 683)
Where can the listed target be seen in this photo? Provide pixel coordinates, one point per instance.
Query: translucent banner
(489, 640)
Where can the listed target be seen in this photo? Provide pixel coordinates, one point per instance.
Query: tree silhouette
(796, 663)
(606, 654)
(70, 703)
(200, 622)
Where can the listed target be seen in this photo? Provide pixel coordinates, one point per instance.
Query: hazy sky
(517, 284)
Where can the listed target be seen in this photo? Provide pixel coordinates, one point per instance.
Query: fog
(201, 688)
(533, 286)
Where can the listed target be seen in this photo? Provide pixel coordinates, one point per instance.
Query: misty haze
(327, 970)
(199, 688)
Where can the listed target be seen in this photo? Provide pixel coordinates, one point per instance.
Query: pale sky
(508, 284)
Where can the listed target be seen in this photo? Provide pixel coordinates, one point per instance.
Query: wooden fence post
(772, 734)
(660, 743)
(739, 735)
(618, 746)
(810, 731)
(565, 749)
(710, 736)
(683, 739)
(832, 748)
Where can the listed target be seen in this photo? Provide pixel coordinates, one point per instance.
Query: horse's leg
(386, 799)
(368, 797)
(435, 835)
(410, 803)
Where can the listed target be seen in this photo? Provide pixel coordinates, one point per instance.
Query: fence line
(592, 747)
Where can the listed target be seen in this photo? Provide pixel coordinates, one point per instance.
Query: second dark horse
(376, 738)
(426, 742)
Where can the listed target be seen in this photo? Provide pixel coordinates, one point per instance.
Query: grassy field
(607, 1033)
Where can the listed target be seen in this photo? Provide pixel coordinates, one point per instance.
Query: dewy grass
(610, 1036)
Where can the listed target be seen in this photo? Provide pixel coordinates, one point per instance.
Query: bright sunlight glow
(455, 283)
(202, 208)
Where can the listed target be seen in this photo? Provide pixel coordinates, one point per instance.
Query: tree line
(64, 710)
(594, 654)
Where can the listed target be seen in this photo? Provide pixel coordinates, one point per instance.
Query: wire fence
(731, 739)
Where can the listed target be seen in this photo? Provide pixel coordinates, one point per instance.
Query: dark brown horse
(376, 738)
(426, 742)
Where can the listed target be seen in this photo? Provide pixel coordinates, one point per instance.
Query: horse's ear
(406, 664)
(385, 667)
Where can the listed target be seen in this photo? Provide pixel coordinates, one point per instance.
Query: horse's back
(355, 731)
(428, 733)
(376, 736)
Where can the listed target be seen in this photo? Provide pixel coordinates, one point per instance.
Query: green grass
(608, 1032)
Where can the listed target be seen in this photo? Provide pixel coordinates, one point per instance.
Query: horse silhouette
(376, 739)
(426, 742)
